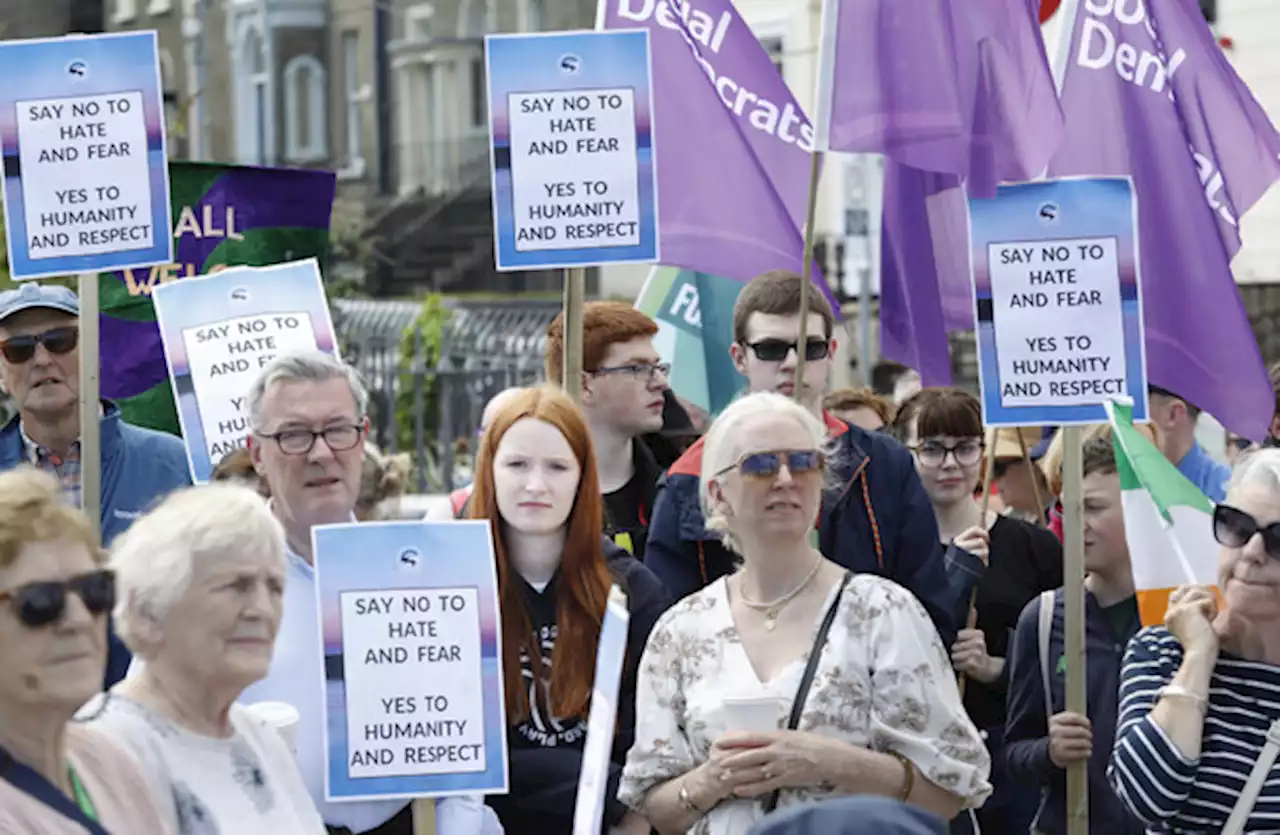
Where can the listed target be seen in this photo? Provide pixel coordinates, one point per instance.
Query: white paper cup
(752, 713)
(281, 717)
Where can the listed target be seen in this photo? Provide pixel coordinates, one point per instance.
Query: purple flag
(734, 147)
(1148, 93)
(948, 86)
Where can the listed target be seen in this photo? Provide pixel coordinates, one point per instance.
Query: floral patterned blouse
(884, 683)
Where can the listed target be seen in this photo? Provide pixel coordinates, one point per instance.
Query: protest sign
(694, 313)
(1059, 313)
(413, 660)
(219, 331)
(597, 752)
(225, 215)
(86, 183)
(574, 171)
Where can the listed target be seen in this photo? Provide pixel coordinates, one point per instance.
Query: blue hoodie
(139, 468)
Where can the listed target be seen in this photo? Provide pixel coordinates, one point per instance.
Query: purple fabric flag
(947, 86)
(733, 146)
(1149, 93)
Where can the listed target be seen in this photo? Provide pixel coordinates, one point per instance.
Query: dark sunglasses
(19, 349)
(40, 604)
(1234, 528)
(776, 350)
(768, 464)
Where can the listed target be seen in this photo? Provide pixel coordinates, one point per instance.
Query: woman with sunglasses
(536, 480)
(728, 668)
(1200, 696)
(201, 582)
(57, 777)
(1007, 561)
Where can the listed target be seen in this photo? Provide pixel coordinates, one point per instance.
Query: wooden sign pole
(575, 291)
(1073, 620)
(90, 425)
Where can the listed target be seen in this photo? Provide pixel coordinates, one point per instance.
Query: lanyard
(82, 795)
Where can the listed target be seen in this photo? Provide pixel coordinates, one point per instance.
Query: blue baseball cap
(31, 295)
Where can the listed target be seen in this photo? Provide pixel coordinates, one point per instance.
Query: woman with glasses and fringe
(1007, 562)
(1199, 726)
(792, 679)
(57, 777)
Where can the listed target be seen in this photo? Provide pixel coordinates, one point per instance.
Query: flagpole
(802, 341)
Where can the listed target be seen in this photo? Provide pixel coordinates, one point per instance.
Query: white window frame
(317, 149)
(159, 7)
(126, 11)
(248, 84)
(352, 99)
(416, 15)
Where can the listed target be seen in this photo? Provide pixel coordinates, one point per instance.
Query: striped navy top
(1168, 792)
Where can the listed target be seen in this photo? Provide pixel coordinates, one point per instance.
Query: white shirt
(297, 677)
(247, 784)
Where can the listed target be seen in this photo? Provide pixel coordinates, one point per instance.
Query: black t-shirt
(1025, 561)
(626, 517)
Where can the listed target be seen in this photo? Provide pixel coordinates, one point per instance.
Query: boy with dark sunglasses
(40, 370)
(878, 520)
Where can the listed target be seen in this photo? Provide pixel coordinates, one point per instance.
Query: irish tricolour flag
(1168, 522)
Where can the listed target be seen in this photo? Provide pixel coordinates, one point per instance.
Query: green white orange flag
(1168, 522)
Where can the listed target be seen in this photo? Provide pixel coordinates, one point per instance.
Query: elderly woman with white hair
(791, 680)
(1199, 725)
(200, 584)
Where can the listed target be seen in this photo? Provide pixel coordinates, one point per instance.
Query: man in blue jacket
(877, 519)
(40, 370)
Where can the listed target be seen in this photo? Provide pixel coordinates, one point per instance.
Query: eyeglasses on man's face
(644, 371)
(299, 441)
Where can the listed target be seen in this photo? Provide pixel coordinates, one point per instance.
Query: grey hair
(154, 560)
(305, 366)
(1260, 468)
(725, 440)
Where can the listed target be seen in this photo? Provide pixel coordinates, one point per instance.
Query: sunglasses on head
(40, 604)
(768, 464)
(19, 349)
(1234, 528)
(776, 350)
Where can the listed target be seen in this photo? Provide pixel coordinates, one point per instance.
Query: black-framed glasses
(20, 349)
(769, 463)
(40, 604)
(300, 441)
(639, 370)
(1234, 528)
(776, 350)
(934, 453)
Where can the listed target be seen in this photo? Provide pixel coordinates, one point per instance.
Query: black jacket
(545, 754)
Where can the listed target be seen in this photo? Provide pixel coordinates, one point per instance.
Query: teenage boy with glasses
(877, 519)
(40, 370)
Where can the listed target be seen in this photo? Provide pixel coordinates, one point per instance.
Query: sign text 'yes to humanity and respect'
(402, 719)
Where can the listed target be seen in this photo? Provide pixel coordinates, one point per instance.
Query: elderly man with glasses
(40, 370)
(307, 413)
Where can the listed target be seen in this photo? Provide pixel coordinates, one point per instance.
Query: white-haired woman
(1200, 696)
(725, 667)
(200, 581)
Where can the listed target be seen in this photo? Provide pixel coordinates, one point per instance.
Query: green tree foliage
(417, 390)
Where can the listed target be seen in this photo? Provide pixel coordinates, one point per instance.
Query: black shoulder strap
(28, 781)
(811, 670)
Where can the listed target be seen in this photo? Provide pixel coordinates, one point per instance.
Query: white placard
(573, 170)
(1060, 338)
(407, 713)
(86, 175)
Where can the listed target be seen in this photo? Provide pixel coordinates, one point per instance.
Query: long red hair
(582, 589)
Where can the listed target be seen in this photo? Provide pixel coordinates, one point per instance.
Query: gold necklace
(773, 608)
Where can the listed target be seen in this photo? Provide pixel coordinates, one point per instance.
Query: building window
(254, 132)
(304, 129)
(175, 130)
(479, 95)
(351, 96)
(126, 10)
(773, 46)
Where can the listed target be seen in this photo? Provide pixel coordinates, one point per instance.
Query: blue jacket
(139, 467)
(878, 522)
(1027, 728)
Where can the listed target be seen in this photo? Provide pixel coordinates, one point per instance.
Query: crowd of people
(832, 629)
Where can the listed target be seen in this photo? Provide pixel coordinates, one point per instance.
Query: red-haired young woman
(536, 481)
